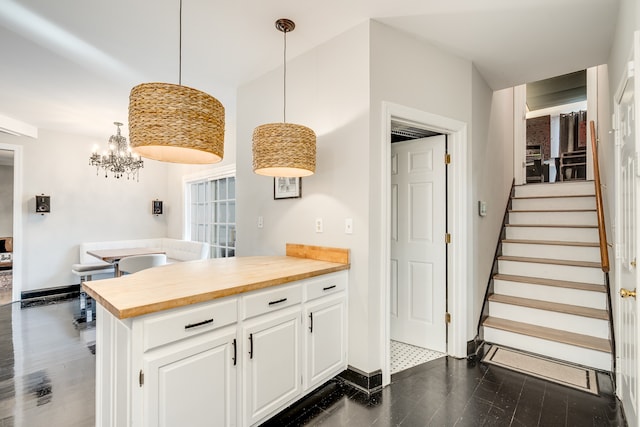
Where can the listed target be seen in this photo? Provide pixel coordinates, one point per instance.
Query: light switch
(318, 225)
(260, 222)
(482, 208)
(348, 226)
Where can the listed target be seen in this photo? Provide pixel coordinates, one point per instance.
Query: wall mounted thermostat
(43, 204)
(156, 207)
(482, 208)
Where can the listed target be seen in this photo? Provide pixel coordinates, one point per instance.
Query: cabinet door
(192, 382)
(325, 340)
(271, 362)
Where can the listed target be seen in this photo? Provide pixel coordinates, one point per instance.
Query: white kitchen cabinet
(233, 361)
(272, 351)
(192, 382)
(325, 339)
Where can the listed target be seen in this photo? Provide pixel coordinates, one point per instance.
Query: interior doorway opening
(13, 154)
(418, 249)
(459, 271)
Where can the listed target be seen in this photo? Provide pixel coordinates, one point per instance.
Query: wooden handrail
(602, 232)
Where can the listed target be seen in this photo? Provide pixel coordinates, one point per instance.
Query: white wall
(492, 178)
(6, 201)
(328, 90)
(628, 22)
(84, 207)
(415, 74)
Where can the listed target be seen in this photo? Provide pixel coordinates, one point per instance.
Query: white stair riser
(553, 233)
(550, 319)
(551, 294)
(559, 218)
(552, 271)
(570, 353)
(556, 189)
(567, 203)
(573, 253)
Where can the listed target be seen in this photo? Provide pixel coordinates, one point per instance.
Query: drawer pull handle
(328, 287)
(235, 352)
(195, 325)
(250, 346)
(311, 322)
(277, 301)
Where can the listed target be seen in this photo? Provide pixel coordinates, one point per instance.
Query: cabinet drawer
(187, 322)
(271, 300)
(326, 285)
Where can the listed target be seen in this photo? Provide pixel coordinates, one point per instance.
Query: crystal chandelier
(118, 159)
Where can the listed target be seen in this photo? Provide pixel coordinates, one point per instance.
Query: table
(112, 256)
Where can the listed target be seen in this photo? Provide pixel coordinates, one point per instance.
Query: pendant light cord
(284, 103)
(180, 48)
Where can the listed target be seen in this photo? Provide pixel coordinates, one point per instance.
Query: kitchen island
(224, 342)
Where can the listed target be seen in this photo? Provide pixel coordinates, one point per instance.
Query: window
(211, 210)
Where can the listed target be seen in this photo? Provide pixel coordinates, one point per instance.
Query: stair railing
(484, 312)
(602, 232)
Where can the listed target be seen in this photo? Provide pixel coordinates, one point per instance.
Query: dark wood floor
(47, 378)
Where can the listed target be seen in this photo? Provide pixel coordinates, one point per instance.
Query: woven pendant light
(175, 123)
(284, 149)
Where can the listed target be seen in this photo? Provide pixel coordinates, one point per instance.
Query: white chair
(132, 264)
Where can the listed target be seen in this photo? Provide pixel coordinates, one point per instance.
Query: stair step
(578, 251)
(556, 189)
(557, 217)
(549, 268)
(579, 340)
(551, 282)
(552, 242)
(556, 196)
(553, 202)
(565, 232)
(551, 261)
(551, 306)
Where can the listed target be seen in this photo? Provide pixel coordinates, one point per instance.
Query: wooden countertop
(180, 284)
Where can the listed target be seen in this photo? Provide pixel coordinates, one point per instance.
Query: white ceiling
(69, 64)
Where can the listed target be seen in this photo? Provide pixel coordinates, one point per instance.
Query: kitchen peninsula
(225, 342)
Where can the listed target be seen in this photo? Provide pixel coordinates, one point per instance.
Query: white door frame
(626, 75)
(17, 219)
(460, 272)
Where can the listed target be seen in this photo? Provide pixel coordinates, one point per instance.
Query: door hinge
(447, 238)
(447, 318)
(141, 378)
(447, 158)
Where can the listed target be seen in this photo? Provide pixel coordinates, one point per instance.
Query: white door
(418, 249)
(627, 237)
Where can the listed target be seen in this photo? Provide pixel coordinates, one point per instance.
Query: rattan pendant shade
(175, 123)
(284, 149)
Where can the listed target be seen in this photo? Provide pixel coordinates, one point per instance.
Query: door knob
(625, 293)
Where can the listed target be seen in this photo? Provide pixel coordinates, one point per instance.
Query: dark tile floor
(452, 392)
(47, 378)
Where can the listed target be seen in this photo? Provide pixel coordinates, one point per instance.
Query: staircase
(549, 295)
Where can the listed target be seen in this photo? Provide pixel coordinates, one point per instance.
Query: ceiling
(69, 65)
